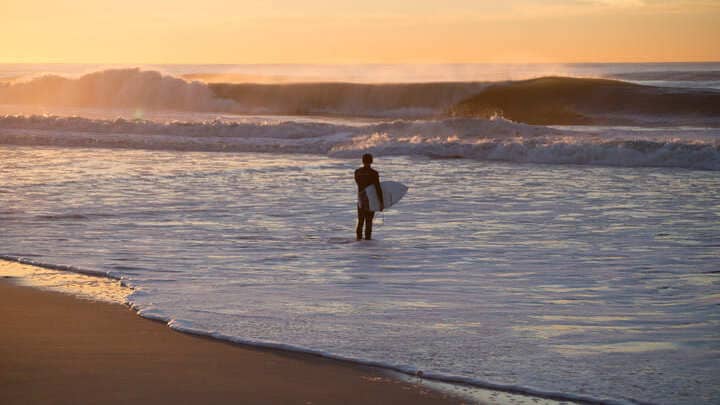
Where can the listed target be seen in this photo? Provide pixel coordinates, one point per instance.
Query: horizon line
(365, 63)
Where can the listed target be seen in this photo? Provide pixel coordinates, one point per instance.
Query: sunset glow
(322, 31)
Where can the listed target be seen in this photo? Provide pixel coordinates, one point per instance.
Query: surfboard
(392, 193)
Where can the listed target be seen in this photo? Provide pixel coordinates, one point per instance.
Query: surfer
(364, 177)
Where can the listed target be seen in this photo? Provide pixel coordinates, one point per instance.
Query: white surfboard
(392, 193)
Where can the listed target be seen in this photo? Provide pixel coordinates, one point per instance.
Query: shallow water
(600, 282)
(83, 286)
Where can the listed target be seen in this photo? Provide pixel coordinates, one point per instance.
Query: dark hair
(367, 159)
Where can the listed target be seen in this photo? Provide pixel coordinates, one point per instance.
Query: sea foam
(471, 138)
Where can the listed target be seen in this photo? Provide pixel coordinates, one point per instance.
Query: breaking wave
(116, 88)
(543, 101)
(348, 99)
(581, 101)
(139, 89)
(471, 138)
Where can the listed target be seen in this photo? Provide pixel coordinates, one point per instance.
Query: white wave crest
(478, 139)
(116, 88)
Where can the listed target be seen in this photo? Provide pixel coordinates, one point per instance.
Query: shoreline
(63, 349)
(89, 290)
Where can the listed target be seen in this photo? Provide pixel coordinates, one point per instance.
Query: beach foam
(65, 279)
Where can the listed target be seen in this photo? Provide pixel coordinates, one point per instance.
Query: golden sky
(359, 31)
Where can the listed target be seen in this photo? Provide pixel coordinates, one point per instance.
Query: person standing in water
(364, 177)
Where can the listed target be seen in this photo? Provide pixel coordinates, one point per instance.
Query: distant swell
(545, 101)
(471, 138)
(574, 101)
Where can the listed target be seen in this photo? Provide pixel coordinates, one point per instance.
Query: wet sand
(56, 348)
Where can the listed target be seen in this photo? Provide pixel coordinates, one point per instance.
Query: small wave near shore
(472, 138)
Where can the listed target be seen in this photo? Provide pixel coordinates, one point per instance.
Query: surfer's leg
(361, 219)
(369, 215)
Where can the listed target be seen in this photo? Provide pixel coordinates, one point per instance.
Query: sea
(572, 254)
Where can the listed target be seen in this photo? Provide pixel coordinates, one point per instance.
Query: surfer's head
(367, 159)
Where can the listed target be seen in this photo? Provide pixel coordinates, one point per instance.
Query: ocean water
(588, 280)
(578, 261)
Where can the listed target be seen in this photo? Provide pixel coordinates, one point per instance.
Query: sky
(368, 31)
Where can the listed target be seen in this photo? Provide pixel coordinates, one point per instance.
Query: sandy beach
(55, 348)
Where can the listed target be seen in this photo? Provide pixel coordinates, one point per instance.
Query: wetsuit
(364, 177)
